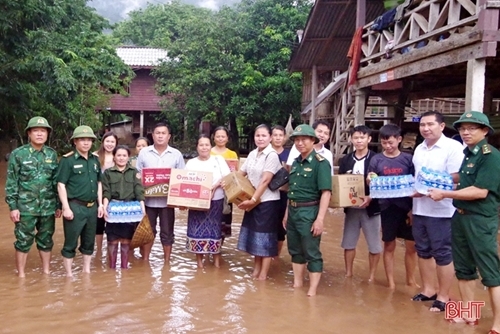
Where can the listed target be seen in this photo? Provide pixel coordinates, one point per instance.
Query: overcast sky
(116, 10)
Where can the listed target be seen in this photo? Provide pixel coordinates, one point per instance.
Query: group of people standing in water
(83, 187)
(449, 230)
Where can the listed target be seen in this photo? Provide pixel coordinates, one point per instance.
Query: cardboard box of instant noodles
(155, 181)
(237, 188)
(347, 190)
(190, 189)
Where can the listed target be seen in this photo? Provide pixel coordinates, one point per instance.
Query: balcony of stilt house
(444, 50)
(431, 55)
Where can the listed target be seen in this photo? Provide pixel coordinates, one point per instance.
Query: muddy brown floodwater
(153, 298)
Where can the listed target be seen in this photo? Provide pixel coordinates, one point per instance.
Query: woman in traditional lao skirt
(123, 199)
(203, 231)
(221, 138)
(258, 234)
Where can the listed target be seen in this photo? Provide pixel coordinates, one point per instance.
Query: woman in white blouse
(258, 234)
(204, 235)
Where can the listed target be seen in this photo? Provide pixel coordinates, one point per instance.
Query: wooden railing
(428, 22)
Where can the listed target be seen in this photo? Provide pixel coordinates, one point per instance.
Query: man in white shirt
(432, 220)
(160, 154)
(322, 130)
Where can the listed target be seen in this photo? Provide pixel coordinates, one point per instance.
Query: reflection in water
(154, 298)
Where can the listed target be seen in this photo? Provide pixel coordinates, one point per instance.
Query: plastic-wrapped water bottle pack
(392, 186)
(428, 178)
(124, 212)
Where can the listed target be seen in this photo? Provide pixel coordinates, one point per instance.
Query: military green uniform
(475, 223)
(308, 178)
(474, 227)
(31, 188)
(81, 177)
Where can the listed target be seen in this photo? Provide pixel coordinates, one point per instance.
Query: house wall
(142, 95)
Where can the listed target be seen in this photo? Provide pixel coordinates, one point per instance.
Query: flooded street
(153, 298)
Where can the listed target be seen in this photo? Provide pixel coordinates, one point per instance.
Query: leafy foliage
(55, 62)
(227, 67)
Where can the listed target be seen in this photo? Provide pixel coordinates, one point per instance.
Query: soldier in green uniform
(475, 222)
(31, 194)
(80, 192)
(309, 193)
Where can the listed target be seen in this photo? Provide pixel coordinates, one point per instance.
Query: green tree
(205, 71)
(228, 67)
(157, 25)
(56, 62)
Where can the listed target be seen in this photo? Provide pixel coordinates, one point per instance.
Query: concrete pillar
(474, 88)
(360, 98)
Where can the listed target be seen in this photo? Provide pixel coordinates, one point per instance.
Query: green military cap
(304, 130)
(38, 122)
(83, 131)
(474, 117)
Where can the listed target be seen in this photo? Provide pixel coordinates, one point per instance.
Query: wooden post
(360, 13)
(314, 94)
(360, 97)
(141, 124)
(474, 87)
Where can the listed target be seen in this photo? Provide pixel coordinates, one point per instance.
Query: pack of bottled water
(428, 178)
(124, 212)
(392, 186)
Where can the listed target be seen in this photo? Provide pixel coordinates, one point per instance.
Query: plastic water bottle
(449, 183)
(373, 187)
(402, 184)
(128, 211)
(429, 178)
(376, 187)
(385, 187)
(411, 184)
(392, 185)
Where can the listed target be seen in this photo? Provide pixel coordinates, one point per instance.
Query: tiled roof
(141, 56)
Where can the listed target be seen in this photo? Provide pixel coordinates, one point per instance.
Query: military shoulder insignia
(95, 154)
(486, 149)
(319, 157)
(69, 154)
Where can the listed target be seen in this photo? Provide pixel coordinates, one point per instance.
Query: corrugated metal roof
(328, 33)
(141, 56)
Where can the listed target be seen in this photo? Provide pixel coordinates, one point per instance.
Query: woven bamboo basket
(143, 233)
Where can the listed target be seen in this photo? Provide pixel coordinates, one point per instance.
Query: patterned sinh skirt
(203, 230)
(258, 234)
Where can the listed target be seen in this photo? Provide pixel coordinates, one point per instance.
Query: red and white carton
(234, 164)
(190, 189)
(156, 181)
